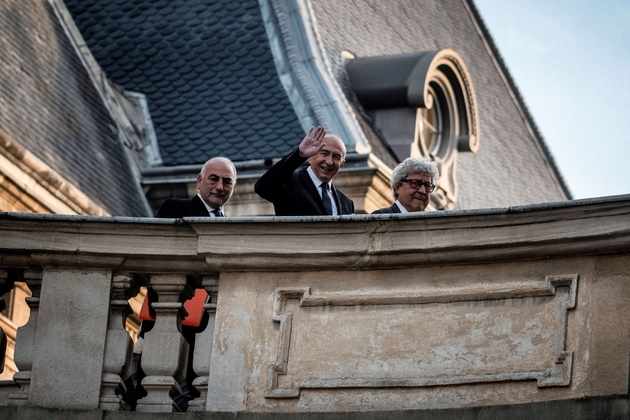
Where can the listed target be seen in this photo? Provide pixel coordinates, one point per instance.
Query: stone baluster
(165, 351)
(25, 341)
(118, 346)
(203, 347)
(6, 284)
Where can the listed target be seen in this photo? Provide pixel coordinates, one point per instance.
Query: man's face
(412, 199)
(217, 185)
(329, 160)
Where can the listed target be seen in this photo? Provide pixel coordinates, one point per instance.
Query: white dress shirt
(209, 208)
(401, 207)
(318, 184)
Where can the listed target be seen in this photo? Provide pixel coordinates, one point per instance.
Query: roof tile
(203, 65)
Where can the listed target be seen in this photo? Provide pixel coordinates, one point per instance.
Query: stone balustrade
(350, 313)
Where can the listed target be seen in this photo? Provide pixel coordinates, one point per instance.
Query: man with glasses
(412, 183)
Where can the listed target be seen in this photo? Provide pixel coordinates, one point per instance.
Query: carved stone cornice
(390, 241)
(583, 227)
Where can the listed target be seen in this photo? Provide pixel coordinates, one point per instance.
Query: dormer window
(423, 104)
(427, 124)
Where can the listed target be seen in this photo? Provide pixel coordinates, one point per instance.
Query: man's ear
(341, 164)
(199, 179)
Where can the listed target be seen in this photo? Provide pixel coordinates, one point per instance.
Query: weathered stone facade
(354, 313)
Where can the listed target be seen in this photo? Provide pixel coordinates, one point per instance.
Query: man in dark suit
(413, 181)
(215, 183)
(308, 191)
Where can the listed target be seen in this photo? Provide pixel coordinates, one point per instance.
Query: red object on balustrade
(193, 306)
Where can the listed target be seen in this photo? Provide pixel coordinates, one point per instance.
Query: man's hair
(215, 159)
(413, 164)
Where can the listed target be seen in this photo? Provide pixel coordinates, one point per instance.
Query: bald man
(215, 184)
(308, 191)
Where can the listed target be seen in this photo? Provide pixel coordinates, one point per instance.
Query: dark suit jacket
(385, 210)
(293, 192)
(182, 207)
(176, 208)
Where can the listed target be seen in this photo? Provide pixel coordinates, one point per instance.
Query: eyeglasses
(416, 184)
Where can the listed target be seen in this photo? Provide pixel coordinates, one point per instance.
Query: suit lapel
(337, 201)
(197, 208)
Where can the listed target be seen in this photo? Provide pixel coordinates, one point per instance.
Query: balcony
(454, 310)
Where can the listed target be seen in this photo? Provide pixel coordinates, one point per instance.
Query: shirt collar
(208, 207)
(401, 207)
(318, 182)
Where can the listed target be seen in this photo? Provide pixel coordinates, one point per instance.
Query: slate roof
(512, 166)
(49, 106)
(206, 69)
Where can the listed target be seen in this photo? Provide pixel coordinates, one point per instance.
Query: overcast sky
(571, 63)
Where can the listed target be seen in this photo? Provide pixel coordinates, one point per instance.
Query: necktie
(326, 198)
(218, 213)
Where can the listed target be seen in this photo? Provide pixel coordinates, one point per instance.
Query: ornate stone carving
(424, 105)
(165, 350)
(118, 345)
(203, 346)
(459, 346)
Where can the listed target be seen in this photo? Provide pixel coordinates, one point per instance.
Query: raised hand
(313, 142)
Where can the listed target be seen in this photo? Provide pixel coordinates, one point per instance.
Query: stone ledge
(358, 242)
(593, 408)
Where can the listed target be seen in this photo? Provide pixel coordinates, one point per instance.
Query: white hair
(220, 159)
(413, 164)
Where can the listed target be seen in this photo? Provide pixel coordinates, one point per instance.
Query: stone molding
(421, 239)
(42, 184)
(357, 313)
(306, 72)
(202, 245)
(558, 374)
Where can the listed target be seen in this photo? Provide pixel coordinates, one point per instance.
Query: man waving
(307, 191)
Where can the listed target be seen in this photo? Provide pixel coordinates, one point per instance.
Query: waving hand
(313, 142)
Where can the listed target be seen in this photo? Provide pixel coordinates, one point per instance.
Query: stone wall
(440, 310)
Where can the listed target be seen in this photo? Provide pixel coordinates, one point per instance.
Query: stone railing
(352, 313)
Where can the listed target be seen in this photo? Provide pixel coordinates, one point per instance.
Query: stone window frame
(397, 90)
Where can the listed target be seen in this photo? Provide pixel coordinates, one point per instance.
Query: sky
(571, 63)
